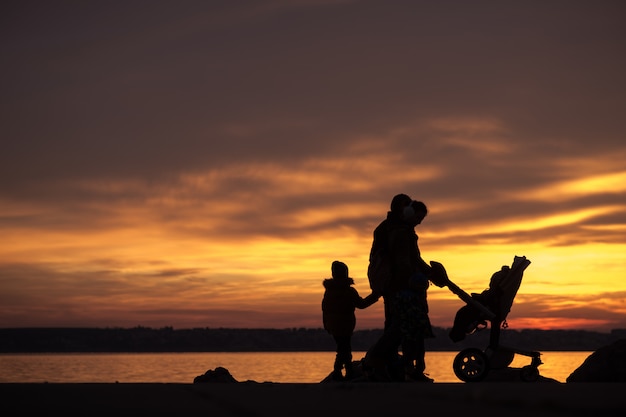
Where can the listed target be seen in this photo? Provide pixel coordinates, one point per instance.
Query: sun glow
(588, 185)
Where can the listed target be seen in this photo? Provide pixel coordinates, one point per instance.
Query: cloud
(155, 150)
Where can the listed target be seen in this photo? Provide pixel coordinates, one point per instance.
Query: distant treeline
(167, 339)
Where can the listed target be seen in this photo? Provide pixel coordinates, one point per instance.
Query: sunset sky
(202, 163)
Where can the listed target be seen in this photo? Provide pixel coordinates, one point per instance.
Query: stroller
(493, 305)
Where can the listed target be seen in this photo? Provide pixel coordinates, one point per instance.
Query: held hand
(438, 275)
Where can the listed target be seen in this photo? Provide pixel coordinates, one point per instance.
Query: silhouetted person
(338, 306)
(381, 240)
(411, 299)
(406, 308)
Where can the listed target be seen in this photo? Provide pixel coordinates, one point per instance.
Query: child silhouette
(338, 307)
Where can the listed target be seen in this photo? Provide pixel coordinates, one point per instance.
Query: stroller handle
(440, 278)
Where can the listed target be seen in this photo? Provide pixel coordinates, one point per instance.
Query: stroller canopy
(506, 282)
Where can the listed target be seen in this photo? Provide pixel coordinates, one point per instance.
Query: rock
(607, 364)
(218, 375)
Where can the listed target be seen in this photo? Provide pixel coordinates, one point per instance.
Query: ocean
(280, 367)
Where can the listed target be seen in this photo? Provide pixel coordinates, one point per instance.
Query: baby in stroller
(493, 305)
(469, 318)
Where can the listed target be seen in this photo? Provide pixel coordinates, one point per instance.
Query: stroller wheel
(529, 373)
(471, 365)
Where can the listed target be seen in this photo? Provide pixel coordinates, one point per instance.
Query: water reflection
(292, 367)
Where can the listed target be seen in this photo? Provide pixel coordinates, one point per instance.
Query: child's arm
(367, 301)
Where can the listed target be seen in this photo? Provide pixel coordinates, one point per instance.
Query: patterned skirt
(413, 314)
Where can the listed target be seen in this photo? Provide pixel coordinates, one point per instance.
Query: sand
(322, 399)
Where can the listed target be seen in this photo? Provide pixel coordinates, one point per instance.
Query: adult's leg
(419, 365)
(382, 357)
(409, 355)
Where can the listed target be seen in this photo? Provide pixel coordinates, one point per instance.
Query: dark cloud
(128, 90)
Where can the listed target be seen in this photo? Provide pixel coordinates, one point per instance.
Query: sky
(202, 163)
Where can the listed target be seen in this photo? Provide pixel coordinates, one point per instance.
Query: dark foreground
(334, 399)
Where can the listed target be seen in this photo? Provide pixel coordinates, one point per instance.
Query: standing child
(338, 306)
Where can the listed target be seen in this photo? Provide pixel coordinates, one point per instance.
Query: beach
(319, 399)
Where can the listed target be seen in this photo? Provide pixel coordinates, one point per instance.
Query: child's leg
(337, 367)
(344, 353)
(420, 354)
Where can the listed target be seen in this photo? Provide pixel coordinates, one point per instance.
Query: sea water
(283, 367)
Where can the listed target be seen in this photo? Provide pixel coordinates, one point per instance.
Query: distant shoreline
(167, 339)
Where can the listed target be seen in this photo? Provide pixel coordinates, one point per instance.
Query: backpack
(379, 268)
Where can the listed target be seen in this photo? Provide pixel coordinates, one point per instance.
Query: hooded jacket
(339, 303)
